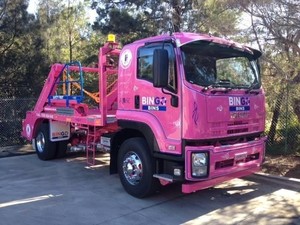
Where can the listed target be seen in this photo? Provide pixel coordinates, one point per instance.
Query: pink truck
(179, 107)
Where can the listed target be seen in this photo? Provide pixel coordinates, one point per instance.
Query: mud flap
(59, 131)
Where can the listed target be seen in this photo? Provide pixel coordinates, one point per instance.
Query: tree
(216, 17)
(19, 50)
(64, 29)
(126, 19)
(133, 20)
(13, 20)
(275, 28)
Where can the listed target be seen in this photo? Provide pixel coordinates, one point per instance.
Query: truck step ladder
(93, 137)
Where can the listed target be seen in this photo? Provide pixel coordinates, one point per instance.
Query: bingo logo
(239, 104)
(238, 101)
(60, 134)
(154, 103)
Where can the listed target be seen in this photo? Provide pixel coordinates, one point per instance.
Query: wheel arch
(130, 129)
(37, 124)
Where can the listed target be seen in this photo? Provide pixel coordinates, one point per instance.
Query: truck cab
(198, 102)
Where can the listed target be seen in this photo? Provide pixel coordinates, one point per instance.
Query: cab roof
(185, 38)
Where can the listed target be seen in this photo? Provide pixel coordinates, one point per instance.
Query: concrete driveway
(66, 191)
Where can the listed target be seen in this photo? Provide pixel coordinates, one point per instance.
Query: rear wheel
(44, 148)
(61, 149)
(136, 168)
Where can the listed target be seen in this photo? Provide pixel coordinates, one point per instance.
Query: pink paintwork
(200, 185)
(103, 115)
(224, 124)
(213, 119)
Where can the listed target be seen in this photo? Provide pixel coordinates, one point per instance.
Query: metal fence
(282, 125)
(12, 111)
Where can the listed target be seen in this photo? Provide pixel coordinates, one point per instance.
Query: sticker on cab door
(154, 103)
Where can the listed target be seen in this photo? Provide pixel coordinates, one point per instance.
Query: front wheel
(44, 148)
(136, 168)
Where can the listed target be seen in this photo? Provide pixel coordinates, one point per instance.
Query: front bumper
(225, 163)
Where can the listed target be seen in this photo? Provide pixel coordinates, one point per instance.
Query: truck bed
(71, 115)
(64, 97)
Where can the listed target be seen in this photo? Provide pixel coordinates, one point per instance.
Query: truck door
(157, 101)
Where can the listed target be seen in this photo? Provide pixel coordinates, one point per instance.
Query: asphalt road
(66, 191)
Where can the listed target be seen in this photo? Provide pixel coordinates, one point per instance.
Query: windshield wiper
(251, 87)
(224, 82)
(220, 86)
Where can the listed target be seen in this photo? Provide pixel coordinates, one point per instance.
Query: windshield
(210, 64)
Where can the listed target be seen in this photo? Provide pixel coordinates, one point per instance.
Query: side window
(145, 59)
(145, 64)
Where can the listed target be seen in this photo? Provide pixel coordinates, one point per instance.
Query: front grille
(231, 162)
(235, 123)
(223, 164)
(252, 157)
(236, 131)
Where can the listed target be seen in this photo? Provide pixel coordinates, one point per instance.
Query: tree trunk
(296, 107)
(70, 47)
(176, 15)
(275, 117)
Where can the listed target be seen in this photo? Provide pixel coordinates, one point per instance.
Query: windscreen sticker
(239, 104)
(154, 103)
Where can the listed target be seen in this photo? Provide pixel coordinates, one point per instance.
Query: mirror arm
(174, 98)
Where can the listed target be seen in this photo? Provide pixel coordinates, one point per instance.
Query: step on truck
(180, 107)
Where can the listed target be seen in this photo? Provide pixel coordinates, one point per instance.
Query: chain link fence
(282, 125)
(12, 111)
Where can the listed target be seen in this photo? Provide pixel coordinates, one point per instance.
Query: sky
(32, 7)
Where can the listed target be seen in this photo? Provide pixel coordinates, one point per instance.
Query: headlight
(199, 159)
(199, 164)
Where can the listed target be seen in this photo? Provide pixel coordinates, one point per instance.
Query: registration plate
(240, 156)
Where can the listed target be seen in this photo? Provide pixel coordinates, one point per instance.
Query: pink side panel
(154, 124)
(166, 125)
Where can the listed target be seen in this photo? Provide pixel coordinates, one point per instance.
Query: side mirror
(160, 68)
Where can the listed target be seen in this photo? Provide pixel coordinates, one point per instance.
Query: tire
(136, 168)
(44, 148)
(61, 150)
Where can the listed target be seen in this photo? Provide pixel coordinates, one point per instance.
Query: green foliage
(64, 29)
(132, 20)
(20, 58)
(129, 20)
(274, 29)
(90, 48)
(215, 17)
(287, 140)
(13, 22)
